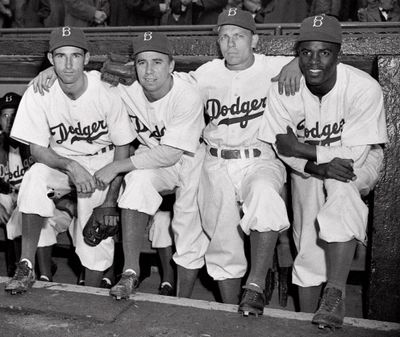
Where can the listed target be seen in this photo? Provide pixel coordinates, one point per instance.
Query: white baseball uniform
(160, 230)
(235, 102)
(175, 120)
(13, 172)
(85, 130)
(346, 123)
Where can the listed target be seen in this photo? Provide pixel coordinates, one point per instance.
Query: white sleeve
(118, 121)
(326, 153)
(31, 124)
(275, 120)
(276, 63)
(156, 157)
(187, 123)
(366, 118)
(189, 77)
(297, 164)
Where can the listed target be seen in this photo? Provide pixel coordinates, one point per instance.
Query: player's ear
(254, 41)
(339, 55)
(87, 57)
(171, 66)
(50, 58)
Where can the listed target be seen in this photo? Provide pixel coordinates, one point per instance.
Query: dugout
(373, 47)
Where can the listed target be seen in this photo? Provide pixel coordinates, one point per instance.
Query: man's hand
(105, 175)
(338, 168)
(4, 215)
(289, 78)
(44, 80)
(286, 143)
(81, 178)
(99, 17)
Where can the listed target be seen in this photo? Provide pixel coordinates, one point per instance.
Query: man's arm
(156, 157)
(121, 153)
(84, 182)
(288, 145)
(289, 78)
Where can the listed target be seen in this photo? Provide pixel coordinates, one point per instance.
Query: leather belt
(324, 142)
(235, 154)
(103, 150)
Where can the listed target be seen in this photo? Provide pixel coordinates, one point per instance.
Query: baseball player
(77, 128)
(329, 135)
(167, 115)
(240, 173)
(16, 161)
(10, 173)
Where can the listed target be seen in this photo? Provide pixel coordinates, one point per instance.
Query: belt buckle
(230, 154)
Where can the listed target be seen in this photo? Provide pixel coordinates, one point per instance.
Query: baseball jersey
(73, 127)
(350, 115)
(17, 167)
(175, 120)
(12, 166)
(235, 100)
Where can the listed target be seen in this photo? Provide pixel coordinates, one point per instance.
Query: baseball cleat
(252, 303)
(125, 287)
(330, 313)
(22, 280)
(166, 289)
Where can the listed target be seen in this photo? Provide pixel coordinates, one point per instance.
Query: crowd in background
(87, 13)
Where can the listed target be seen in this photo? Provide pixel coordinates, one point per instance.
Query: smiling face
(318, 61)
(154, 73)
(236, 45)
(69, 62)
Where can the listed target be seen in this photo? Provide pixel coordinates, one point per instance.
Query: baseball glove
(117, 69)
(96, 228)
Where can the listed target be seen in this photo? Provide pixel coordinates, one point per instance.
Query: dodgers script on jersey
(351, 114)
(73, 127)
(167, 121)
(235, 109)
(16, 166)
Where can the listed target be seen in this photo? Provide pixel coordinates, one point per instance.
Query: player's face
(318, 61)
(6, 119)
(236, 44)
(154, 73)
(69, 63)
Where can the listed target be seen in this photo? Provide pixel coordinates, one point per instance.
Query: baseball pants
(228, 186)
(329, 211)
(160, 232)
(142, 193)
(32, 199)
(59, 223)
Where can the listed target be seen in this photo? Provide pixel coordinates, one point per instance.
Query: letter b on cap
(147, 36)
(232, 11)
(66, 31)
(318, 21)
